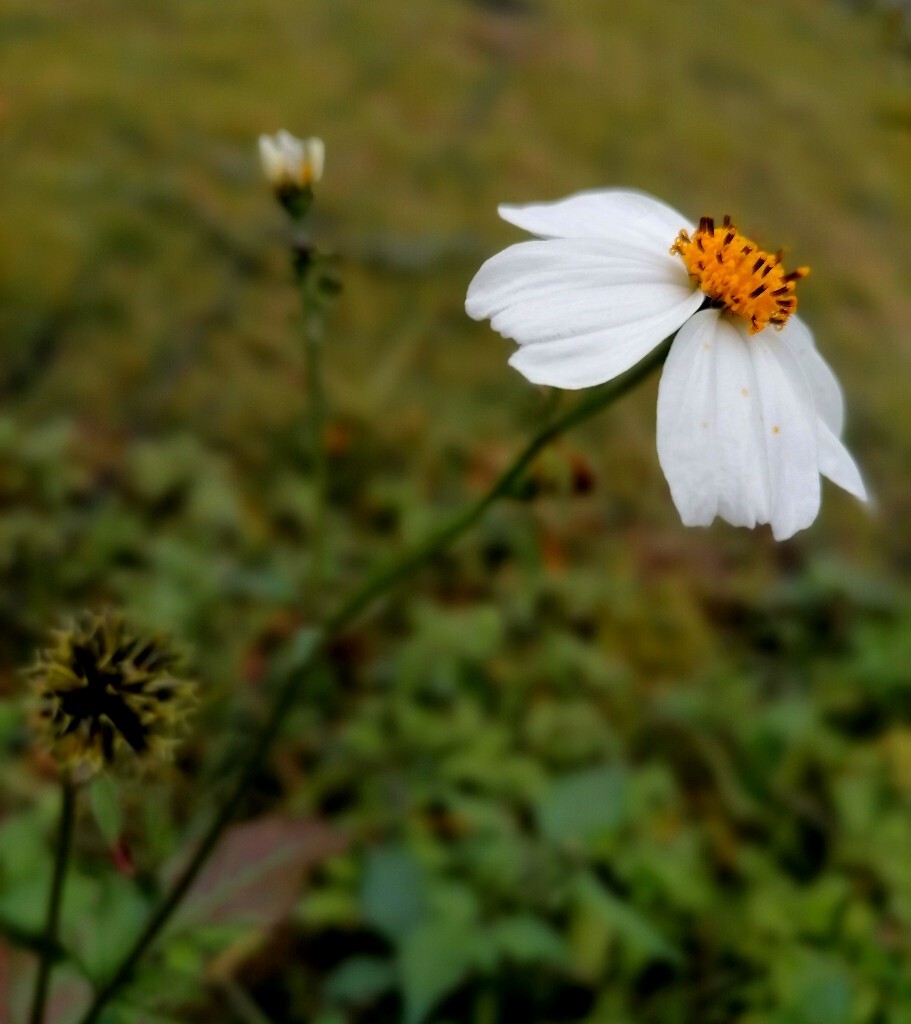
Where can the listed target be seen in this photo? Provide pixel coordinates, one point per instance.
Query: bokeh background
(590, 766)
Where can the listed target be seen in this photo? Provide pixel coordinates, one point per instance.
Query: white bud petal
(289, 162)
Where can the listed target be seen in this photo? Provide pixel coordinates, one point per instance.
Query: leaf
(158, 993)
(103, 916)
(360, 980)
(813, 988)
(13, 967)
(23, 850)
(434, 959)
(70, 996)
(67, 1000)
(23, 904)
(254, 877)
(633, 928)
(456, 902)
(392, 893)
(528, 940)
(329, 907)
(298, 652)
(583, 804)
(104, 801)
(129, 1013)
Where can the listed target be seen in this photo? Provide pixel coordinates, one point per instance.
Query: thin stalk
(316, 430)
(381, 582)
(387, 577)
(55, 899)
(285, 699)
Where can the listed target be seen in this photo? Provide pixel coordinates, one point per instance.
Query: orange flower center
(736, 274)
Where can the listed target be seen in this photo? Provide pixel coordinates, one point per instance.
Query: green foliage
(104, 801)
(583, 805)
(591, 767)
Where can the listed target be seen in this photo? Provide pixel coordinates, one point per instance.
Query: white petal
(618, 214)
(737, 429)
(583, 310)
(315, 157)
(836, 464)
(291, 147)
(271, 158)
(710, 438)
(791, 428)
(825, 387)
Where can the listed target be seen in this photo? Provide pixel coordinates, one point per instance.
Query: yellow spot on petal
(776, 429)
(745, 392)
(739, 276)
(706, 346)
(705, 425)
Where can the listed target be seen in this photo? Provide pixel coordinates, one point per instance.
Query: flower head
(101, 691)
(291, 164)
(749, 413)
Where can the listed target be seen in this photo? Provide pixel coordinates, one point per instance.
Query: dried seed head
(102, 691)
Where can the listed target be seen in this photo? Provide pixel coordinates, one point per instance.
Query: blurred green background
(591, 766)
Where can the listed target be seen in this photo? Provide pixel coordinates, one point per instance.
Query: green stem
(52, 922)
(385, 579)
(284, 701)
(316, 422)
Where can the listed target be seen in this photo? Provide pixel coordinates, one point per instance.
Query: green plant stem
(387, 577)
(52, 922)
(316, 423)
(381, 582)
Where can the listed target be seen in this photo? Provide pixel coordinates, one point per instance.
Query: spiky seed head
(102, 692)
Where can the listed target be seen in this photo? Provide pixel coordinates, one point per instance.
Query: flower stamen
(739, 276)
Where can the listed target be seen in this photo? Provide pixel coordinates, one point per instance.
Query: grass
(151, 456)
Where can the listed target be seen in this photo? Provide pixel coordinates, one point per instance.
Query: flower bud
(291, 164)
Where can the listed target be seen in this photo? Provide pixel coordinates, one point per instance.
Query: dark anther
(758, 264)
(757, 291)
(729, 237)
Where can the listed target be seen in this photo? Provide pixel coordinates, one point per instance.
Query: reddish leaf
(256, 874)
(6, 980)
(69, 995)
(17, 974)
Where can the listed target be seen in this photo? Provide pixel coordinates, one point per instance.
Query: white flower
(749, 413)
(291, 163)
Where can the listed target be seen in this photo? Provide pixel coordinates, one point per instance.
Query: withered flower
(103, 692)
